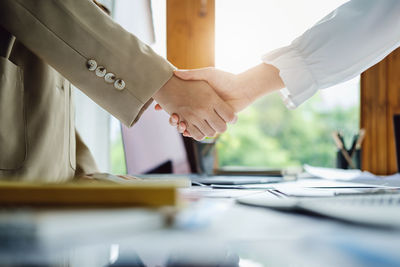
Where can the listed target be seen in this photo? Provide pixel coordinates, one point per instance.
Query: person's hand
(239, 91)
(197, 105)
(174, 121)
(226, 85)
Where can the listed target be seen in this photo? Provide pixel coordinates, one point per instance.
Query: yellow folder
(143, 192)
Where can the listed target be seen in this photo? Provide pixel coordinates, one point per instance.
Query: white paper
(355, 176)
(332, 173)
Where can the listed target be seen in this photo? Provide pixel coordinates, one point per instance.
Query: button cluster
(109, 77)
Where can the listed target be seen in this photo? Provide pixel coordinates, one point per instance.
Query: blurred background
(268, 133)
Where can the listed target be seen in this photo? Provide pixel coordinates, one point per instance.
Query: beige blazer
(43, 41)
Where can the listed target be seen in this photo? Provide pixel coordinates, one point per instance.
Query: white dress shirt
(346, 42)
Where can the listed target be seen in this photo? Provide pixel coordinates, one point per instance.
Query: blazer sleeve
(82, 43)
(346, 42)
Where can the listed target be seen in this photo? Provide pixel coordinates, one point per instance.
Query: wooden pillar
(191, 33)
(380, 99)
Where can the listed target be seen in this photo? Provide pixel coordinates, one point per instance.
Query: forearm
(260, 80)
(68, 34)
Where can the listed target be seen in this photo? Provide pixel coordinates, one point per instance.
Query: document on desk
(356, 176)
(208, 192)
(312, 188)
(329, 184)
(320, 188)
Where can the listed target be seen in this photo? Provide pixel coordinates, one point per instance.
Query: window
(267, 133)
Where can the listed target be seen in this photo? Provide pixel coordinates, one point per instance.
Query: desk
(216, 231)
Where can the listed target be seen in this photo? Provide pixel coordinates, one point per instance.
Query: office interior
(225, 201)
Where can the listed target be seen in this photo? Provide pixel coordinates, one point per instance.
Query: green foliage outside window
(268, 134)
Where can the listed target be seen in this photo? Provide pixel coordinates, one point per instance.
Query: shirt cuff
(295, 73)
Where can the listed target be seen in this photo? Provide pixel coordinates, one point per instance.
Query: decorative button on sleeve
(119, 84)
(101, 71)
(91, 64)
(109, 77)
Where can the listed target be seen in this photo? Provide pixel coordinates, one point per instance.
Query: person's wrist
(261, 80)
(246, 83)
(158, 94)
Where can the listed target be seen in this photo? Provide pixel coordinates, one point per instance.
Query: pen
(357, 141)
(340, 145)
(360, 139)
(340, 135)
(353, 145)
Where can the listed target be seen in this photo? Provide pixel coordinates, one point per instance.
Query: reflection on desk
(207, 231)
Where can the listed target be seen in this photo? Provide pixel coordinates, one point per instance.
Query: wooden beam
(380, 99)
(393, 76)
(191, 33)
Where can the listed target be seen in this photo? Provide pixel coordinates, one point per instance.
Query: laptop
(238, 176)
(233, 179)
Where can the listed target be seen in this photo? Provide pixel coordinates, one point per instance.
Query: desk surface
(213, 230)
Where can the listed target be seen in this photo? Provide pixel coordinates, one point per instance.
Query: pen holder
(341, 162)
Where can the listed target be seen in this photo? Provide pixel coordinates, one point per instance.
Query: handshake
(201, 102)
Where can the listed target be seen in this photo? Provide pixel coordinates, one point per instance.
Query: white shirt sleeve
(349, 40)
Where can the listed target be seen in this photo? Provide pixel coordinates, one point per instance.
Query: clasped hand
(198, 106)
